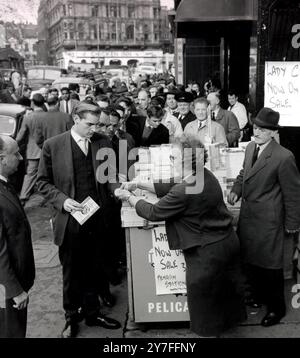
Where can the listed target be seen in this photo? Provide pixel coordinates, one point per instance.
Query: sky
(168, 3)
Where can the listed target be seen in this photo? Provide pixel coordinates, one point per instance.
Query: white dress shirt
(83, 143)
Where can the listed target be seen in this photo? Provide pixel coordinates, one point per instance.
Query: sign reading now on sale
(282, 91)
(169, 265)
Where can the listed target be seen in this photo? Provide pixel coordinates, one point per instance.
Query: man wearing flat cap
(269, 186)
(68, 174)
(184, 114)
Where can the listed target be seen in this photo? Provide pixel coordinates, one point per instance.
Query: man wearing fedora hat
(269, 186)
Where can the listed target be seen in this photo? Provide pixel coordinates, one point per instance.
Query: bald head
(214, 100)
(144, 99)
(9, 155)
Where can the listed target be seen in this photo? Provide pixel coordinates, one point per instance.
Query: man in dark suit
(69, 172)
(226, 118)
(25, 99)
(66, 103)
(33, 152)
(51, 123)
(149, 129)
(17, 271)
(269, 185)
(184, 113)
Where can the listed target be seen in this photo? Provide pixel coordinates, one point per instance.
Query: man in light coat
(269, 186)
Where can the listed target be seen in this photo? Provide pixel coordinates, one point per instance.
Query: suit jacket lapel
(68, 162)
(9, 196)
(261, 161)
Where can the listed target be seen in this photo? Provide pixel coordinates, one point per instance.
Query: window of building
(146, 37)
(156, 37)
(64, 10)
(70, 8)
(66, 35)
(155, 13)
(95, 9)
(131, 11)
(113, 36)
(72, 35)
(113, 11)
(65, 25)
(130, 32)
(26, 47)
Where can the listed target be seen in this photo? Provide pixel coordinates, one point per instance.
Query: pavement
(46, 316)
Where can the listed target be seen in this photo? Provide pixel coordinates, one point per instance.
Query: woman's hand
(122, 194)
(130, 186)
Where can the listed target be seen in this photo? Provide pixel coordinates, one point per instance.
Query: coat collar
(9, 196)
(261, 162)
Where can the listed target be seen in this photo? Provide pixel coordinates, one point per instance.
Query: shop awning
(216, 10)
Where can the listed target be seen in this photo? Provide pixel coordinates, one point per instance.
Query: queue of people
(63, 138)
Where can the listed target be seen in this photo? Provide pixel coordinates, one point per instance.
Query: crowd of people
(63, 137)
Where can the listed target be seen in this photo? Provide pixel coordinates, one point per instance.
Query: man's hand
(71, 205)
(232, 198)
(21, 301)
(130, 186)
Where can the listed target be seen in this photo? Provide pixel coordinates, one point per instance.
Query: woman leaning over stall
(198, 223)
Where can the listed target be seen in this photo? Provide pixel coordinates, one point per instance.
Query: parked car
(11, 117)
(40, 76)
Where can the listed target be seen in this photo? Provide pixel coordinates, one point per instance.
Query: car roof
(66, 80)
(10, 109)
(44, 67)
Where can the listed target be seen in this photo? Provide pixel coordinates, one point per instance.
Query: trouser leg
(29, 179)
(13, 322)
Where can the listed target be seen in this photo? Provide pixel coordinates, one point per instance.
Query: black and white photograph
(149, 172)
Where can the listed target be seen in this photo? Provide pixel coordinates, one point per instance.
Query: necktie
(255, 155)
(147, 132)
(67, 107)
(213, 116)
(84, 146)
(199, 125)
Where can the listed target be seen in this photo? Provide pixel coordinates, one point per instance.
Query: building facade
(102, 31)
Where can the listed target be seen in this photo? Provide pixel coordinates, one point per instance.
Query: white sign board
(169, 265)
(282, 91)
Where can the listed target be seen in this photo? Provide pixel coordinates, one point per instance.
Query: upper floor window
(95, 10)
(131, 11)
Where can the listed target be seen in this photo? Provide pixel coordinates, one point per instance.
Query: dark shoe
(70, 330)
(271, 318)
(103, 321)
(108, 299)
(251, 302)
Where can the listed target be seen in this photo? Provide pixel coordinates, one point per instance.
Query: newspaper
(90, 207)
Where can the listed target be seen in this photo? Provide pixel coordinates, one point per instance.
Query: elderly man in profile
(17, 270)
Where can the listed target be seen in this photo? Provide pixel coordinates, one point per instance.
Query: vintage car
(40, 76)
(11, 117)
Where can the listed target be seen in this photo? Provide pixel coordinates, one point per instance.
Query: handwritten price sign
(282, 91)
(169, 265)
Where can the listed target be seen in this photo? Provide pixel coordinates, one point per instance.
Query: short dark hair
(38, 100)
(233, 92)
(52, 101)
(65, 89)
(53, 90)
(27, 88)
(155, 111)
(194, 144)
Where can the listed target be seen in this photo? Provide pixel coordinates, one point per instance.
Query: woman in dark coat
(198, 223)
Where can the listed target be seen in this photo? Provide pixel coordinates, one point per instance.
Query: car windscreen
(43, 74)
(7, 125)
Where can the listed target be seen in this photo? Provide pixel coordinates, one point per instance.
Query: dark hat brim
(264, 124)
